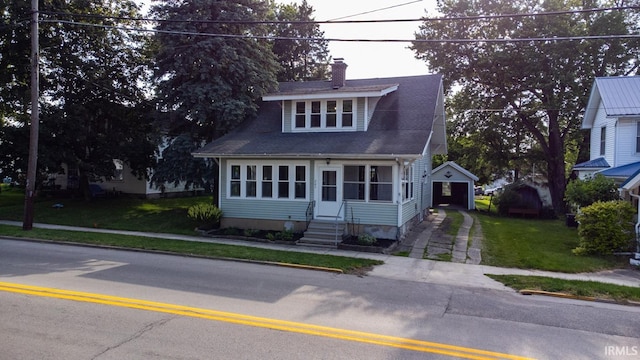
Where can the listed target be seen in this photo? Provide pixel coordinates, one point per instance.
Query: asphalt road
(173, 307)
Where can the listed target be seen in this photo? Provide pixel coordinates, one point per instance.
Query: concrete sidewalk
(394, 267)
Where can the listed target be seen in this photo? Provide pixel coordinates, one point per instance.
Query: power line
(268, 37)
(376, 10)
(266, 22)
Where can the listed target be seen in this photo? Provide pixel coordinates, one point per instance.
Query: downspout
(219, 184)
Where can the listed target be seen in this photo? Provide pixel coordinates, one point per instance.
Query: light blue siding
(360, 113)
(287, 114)
(409, 211)
(257, 208)
(372, 213)
(265, 209)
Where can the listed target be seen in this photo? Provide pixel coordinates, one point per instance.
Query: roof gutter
(314, 156)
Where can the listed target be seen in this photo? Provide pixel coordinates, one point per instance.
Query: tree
(538, 87)
(211, 68)
(581, 193)
(300, 59)
(93, 108)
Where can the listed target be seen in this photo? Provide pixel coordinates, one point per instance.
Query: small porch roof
(622, 172)
(595, 164)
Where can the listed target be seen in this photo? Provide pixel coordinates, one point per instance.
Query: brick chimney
(338, 73)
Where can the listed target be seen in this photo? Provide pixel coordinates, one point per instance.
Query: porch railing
(309, 213)
(343, 205)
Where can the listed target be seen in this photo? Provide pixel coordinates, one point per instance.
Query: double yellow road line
(240, 319)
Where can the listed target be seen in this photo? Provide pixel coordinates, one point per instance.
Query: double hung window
(603, 140)
(267, 181)
(323, 114)
(407, 183)
(368, 183)
(638, 137)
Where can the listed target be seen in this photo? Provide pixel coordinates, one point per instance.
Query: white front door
(329, 191)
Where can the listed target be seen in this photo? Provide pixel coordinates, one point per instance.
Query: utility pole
(27, 224)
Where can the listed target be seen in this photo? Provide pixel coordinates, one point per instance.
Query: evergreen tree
(300, 59)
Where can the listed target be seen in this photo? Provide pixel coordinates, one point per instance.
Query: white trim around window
(369, 183)
(324, 115)
(408, 183)
(268, 180)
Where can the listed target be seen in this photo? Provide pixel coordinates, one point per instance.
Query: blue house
(334, 157)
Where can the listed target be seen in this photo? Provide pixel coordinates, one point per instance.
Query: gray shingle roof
(401, 125)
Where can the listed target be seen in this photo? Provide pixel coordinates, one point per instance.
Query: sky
(372, 59)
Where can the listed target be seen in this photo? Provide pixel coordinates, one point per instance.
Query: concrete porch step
(322, 234)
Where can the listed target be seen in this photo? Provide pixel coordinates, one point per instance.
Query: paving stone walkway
(428, 241)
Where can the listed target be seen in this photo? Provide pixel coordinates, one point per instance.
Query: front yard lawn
(570, 287)
(346, 264)
(123, 213)
(537, 244)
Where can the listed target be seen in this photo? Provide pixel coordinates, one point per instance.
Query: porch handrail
(342, 205)
(309, 212)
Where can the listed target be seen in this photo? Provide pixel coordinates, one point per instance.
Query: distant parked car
(478, 190)
(492, 191)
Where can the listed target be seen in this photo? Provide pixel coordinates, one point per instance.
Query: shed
(453, 185)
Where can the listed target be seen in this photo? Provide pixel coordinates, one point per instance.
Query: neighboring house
(340, 151)
(613, 116)
(122, 181)
(453, 185)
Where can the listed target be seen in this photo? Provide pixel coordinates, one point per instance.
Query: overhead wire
(376, 10)
(269, 37)
(320, 22)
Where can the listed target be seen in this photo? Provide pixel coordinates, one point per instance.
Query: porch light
(328, 161)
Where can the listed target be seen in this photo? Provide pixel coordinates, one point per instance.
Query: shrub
(286, 235)
(251, 232)
(605, 228)
(508, 198)
(366, 239)
(205, 215)
(231, 231)
(581, 193)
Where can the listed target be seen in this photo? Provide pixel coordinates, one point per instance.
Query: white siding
(626, 142)
(601, 121)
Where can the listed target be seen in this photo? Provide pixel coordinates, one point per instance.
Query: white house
(613, 116)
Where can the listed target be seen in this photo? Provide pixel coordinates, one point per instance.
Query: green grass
(570, 287)
(157, 215)
(194, 248)
(536, 244)
(482, 204)
(455, 221)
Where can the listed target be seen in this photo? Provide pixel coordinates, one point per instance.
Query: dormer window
(323, 114)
